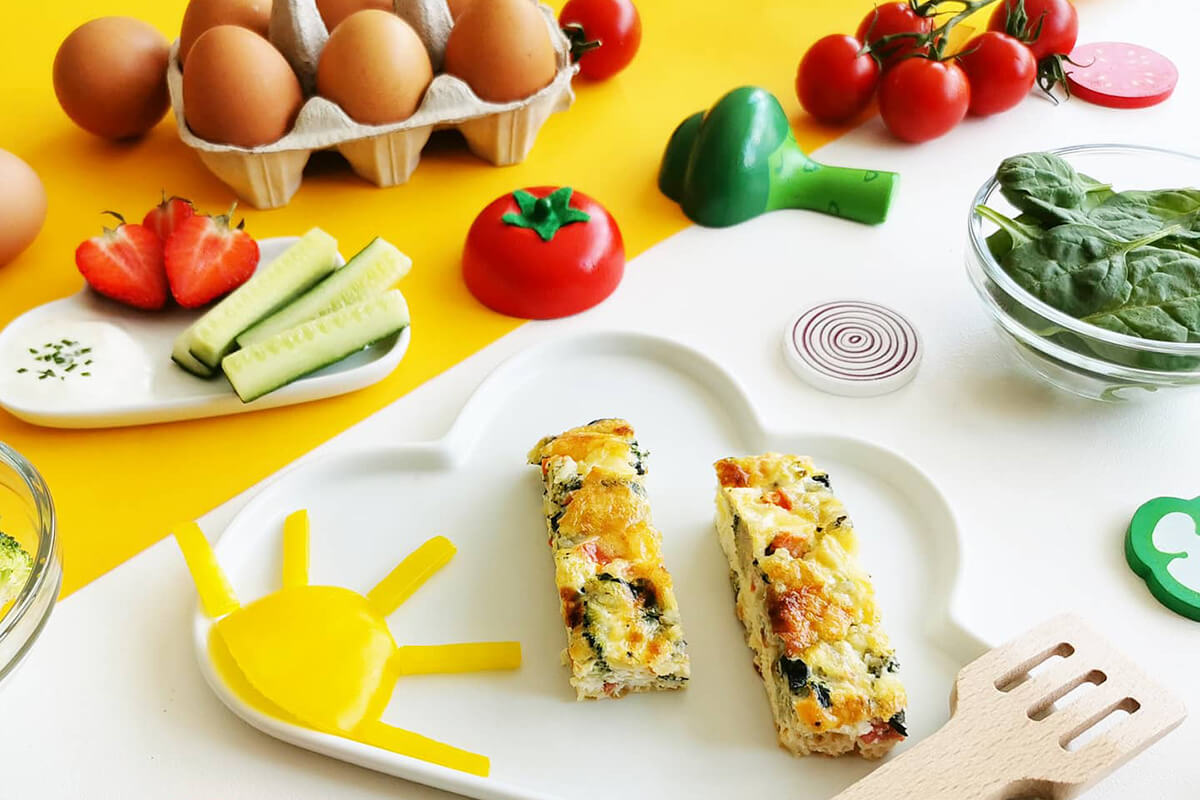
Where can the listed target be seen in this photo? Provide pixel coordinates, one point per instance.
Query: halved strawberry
(126, 264)
(205, 259)
(168, 215)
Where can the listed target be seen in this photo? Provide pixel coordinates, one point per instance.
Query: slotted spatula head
(1007, 739)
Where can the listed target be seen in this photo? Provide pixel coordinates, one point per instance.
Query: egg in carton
(386, 155)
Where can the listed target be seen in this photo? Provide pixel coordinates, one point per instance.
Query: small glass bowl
(1073, 355)
(27, 512)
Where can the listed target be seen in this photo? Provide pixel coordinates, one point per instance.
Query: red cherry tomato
(615, 24)
(1001, 71)
(921, 99)
(888, 19)
(1059, 25)
(836, 79)
(511, 267)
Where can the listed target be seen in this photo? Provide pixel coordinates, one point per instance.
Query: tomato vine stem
(933, 44)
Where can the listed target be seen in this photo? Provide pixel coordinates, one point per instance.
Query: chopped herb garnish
(65, 353)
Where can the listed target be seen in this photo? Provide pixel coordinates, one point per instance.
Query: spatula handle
(949, 765)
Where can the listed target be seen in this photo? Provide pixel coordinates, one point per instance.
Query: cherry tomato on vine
(836, 79)
(1000, 69)
(888, 19)
(1058, 19)
(615, 24)
(921, 99)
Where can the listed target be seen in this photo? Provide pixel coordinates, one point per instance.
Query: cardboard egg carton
(386, 155)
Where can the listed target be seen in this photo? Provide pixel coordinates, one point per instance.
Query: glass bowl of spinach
(1088, 259)
(30, 561)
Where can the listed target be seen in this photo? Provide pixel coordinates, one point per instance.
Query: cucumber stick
(309, 260)
(376, 268)
(296, 352)
(181, 354)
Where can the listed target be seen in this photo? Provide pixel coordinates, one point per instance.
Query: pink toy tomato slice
(1120, 75)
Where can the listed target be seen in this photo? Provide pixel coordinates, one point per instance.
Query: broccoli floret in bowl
(15, 565)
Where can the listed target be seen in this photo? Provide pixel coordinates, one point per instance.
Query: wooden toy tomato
(542, 253)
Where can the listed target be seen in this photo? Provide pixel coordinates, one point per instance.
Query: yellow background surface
(117, 491)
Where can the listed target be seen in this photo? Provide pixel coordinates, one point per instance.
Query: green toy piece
(740, 160)
(1152, 564)
(544, 215)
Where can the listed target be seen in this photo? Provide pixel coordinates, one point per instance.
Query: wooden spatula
(1006, 738)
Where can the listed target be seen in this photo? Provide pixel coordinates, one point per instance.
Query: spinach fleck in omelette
(617, 599)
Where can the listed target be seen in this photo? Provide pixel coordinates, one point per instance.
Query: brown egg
(110, 76)
(334, 11)
(457, 7)
(22, 206)
(238, 89)
(204, 14)
(502, 49)
(375, 67)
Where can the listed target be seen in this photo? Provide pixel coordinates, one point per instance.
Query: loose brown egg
(457, 7)
(110, 76)
(502, 49)
(375, 67)
(201, 15)
(334, 11)
(238, 89)
(22, 206)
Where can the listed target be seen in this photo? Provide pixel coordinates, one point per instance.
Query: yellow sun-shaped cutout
(324, 655)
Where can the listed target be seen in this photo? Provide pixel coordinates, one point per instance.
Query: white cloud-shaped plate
(369, 508)
(134, 381)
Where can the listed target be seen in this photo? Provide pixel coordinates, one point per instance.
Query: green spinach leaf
(1049, 189)
(1097, 192)
(1128, 262)
(1012, 233)
(1184, 245)
(1134, 214)
(1079, 269)
(1164, 298)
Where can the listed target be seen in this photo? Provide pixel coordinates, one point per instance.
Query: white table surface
(111, 704)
